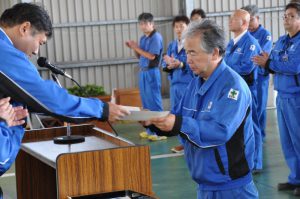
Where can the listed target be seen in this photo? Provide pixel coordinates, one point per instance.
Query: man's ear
(215, 54)
(24, 28)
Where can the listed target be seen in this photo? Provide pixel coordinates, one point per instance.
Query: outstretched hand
(116, 112)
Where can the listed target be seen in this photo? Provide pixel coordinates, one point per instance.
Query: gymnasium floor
(170, 176)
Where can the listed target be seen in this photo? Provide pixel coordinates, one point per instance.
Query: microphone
(43, 62)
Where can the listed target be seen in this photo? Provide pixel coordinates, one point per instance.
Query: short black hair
(181, 18)
(145, 16)
(22, 12)
(293, 5)
(251, 9)
(198, 11)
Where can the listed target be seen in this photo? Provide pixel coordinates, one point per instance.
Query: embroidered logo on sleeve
(269, 37)
(233, 94)
(252, 47)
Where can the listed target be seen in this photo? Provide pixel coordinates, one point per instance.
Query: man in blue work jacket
(174, 63)
(284, 62)
(213, 119)
(9, 116)
(149, 51)
(264, 39)
(23, 28)
(238, 56)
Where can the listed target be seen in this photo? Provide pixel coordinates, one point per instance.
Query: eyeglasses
(289, 17)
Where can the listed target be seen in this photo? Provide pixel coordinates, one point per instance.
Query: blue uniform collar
(242, 40)
(244, 37)
(296, 35)
(4, 37)
(203, 86)
(260, 27)
(152, 33)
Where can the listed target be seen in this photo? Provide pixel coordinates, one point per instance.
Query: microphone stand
(68, 139)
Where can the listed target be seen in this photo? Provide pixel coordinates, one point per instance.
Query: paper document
(138, 115)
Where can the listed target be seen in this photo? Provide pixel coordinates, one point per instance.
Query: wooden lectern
(103, 163)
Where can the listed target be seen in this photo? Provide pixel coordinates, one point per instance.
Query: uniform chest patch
(233, 94)
(269, 38)
(252, 47)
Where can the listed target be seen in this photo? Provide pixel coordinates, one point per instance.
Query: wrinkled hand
(116, 112)
(12, 115)
(164, 123)
(261, 60)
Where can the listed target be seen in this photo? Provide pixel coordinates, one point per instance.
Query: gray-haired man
(213, 119)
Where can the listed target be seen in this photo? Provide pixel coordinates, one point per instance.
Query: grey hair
(251, 9)
(211, 35)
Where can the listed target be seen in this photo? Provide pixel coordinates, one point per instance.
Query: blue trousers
(247, 191)
(176, 93)
(150, 86)
(262, 99)
(258, 153)
(288, 115)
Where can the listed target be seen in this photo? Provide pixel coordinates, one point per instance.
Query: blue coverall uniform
(214, 123)
(179, 77)
(238, 57)
(264, 39)
(284, 62)
(149, 75)
(15, 64)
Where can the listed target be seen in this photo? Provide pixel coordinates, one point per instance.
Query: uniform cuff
(165, 69)
(175, 131)
(105, 112)
(177, 125)
(268, 66)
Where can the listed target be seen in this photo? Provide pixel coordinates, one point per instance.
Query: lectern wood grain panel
(104, 163)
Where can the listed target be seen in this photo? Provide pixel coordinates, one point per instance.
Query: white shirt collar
(6, 35)
(235, 40)
(180, 45)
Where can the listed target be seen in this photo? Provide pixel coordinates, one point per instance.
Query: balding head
(243, 14)
(239, 21)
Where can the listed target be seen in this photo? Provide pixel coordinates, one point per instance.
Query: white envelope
(137, 115)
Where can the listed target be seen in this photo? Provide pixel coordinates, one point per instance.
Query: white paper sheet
(144, 115)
